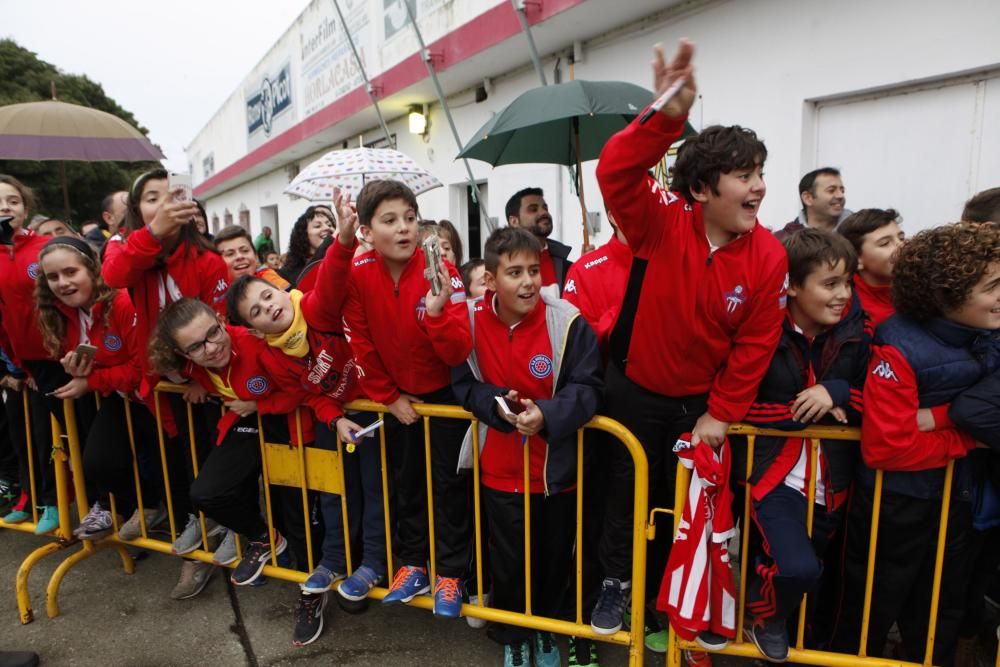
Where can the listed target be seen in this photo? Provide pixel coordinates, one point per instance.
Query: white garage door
(922, 151)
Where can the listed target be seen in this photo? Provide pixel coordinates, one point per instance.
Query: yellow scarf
(222, 387)
(294, 341)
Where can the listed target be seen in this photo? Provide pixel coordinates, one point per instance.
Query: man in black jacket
(527, 209)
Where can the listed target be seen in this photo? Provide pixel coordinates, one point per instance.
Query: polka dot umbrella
(351, 169)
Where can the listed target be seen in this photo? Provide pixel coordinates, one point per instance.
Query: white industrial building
(902, 95)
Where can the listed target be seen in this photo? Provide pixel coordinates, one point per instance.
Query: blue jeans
(363, 493)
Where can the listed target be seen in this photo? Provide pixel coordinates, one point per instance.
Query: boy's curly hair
(936, 270)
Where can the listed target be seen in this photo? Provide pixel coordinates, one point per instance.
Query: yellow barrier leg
(25, 612)
(88, 550)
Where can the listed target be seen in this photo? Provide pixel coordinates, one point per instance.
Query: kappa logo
(570, 286)
(456, 283)
(681, 445)
(112, 343)
(362, 262)
(735, 299)
(540, 366)
(257, 385)
(595, 262)
(884, 371)
(221, 286)
(245, 429)
(33, 269)
(421, 309)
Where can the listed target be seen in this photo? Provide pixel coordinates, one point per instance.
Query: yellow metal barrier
(313, 469)
(797, 651)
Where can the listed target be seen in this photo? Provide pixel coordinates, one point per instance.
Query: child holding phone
(90, 328)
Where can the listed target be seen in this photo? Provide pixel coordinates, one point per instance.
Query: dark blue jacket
(947, 359)
(838, 359)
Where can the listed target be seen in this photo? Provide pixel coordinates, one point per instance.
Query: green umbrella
(566, 123)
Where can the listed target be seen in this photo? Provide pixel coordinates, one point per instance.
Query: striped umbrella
(53, 130)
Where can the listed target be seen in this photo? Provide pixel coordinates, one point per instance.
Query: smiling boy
(233, 243)
(702, 310)
(532, 349)
(816, 376)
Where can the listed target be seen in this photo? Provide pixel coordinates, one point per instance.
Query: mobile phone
(6, 231)
(509, 407)
(183, 181)
(432, 255)
(367, 431)
(83, 352)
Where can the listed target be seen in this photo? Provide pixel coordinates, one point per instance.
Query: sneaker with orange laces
(409, 582)
(697, 658)
(448, 597)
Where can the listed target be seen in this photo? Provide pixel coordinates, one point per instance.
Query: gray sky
(172, 69)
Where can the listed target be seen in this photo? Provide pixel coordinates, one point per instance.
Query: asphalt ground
(112, 619)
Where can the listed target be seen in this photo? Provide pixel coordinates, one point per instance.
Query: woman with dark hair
(18, 269)
(162, 258)
(308, 234)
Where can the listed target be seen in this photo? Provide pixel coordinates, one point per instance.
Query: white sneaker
(477, 623)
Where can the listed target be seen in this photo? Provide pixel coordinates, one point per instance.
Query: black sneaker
(770, 637)
(711, 640)
(255, 557)
(606, 619)
(9, 493)
(308, 618)
(582, 652)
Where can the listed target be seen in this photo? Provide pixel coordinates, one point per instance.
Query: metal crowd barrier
(798, 653)
(314, 469)
(62, 537)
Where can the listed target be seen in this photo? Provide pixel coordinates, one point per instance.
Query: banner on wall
(269, 106)
(329, 70)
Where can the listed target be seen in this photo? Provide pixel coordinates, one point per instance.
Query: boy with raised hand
(816, 376)
(876, 236)
(702, 310)
(942, 341)
(534, 352)
(405, 340)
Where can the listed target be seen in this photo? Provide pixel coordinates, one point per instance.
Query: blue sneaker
(17, 516)
(49, 520)
(448, 597)
(320, 580)
(409, 582)
(356, 587)
(546, 651)
(516, 655)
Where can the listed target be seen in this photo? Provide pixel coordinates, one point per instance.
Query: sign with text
(329, 70)
(269, 107)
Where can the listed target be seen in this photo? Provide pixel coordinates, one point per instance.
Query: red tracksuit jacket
(596, 285)
(19, 268)
(397, 345)
(875, 300)
(516, 358)
(249, 382)
(129, 264)
(118, 361)
(328, 374)
(697, 322)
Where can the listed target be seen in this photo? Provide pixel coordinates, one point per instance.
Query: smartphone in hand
(509, 407)
(177, 180)
(82, 353)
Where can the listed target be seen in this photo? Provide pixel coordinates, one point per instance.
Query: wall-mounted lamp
(418, 119)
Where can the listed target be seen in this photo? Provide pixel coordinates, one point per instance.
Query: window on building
(227, 218)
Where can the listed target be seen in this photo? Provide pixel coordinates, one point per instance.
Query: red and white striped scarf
(698, 591)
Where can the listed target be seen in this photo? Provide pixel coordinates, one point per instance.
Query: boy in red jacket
(702, 311)
(405, 339)
(533, 351)
(876, 236)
